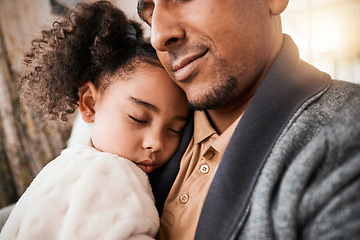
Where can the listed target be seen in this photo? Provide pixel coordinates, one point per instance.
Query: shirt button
(204, 168)
(184, 198)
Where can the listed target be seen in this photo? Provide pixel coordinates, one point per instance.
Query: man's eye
(137, 120)
(147, 18)
(145, 11)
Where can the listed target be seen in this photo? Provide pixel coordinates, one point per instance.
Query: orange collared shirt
(198, 166)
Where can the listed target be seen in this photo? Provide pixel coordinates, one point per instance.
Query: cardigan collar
(289, 83)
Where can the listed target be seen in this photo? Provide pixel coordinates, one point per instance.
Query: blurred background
(327, 33)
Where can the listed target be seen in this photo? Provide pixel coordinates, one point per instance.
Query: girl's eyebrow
(143, 104)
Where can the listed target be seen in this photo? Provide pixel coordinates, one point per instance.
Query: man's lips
(147, 165)
(187, 65)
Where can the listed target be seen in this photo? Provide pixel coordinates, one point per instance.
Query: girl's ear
(87, 101)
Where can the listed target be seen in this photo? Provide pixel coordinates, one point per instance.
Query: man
(275, 151)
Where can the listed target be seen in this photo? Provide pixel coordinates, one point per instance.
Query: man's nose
(166, 28)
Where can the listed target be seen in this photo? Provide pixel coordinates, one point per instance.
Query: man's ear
(277, 6)
(87, 101)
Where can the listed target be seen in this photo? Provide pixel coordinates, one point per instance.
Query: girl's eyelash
(137, 120)
(145, 122)
(177, 132)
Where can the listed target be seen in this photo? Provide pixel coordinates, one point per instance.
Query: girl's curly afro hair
(90, 40)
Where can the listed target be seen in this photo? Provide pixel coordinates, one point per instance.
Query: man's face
(215, 50)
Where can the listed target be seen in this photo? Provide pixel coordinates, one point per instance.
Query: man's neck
(222, 118)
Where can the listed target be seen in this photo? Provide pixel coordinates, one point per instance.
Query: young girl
(97, 60)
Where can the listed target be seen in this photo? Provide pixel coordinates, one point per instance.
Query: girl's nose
(154, 142)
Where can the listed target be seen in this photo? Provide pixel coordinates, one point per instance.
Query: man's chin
(203, 105)
(215, 97)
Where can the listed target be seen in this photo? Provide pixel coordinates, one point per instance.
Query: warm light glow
(327, 34)
(325, 37)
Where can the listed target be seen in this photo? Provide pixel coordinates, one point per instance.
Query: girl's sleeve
(85, 195)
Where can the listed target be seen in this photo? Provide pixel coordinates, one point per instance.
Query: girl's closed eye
(137, 120)
(176, 132)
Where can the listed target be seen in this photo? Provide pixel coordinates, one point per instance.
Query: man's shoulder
(345, 124)
(318, 162)
(344, 87)
(342, 90)
(335, 112)
(330, 102)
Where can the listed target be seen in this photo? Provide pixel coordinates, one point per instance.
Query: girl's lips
(147, 165)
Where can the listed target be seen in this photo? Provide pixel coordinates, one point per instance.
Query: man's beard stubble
(219, 96)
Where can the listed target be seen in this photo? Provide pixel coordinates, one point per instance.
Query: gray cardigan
(309, 187)
(291, 169)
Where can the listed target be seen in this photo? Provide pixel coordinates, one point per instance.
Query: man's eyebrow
(143, 104)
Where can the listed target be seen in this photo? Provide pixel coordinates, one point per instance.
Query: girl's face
(140, 116)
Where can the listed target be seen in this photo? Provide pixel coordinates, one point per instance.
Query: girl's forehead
(148, 80)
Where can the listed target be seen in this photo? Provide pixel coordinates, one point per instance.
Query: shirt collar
(202, 127)
(222, 141)
(203, 130)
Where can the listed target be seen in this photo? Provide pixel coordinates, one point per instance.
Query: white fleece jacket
(85, 194)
